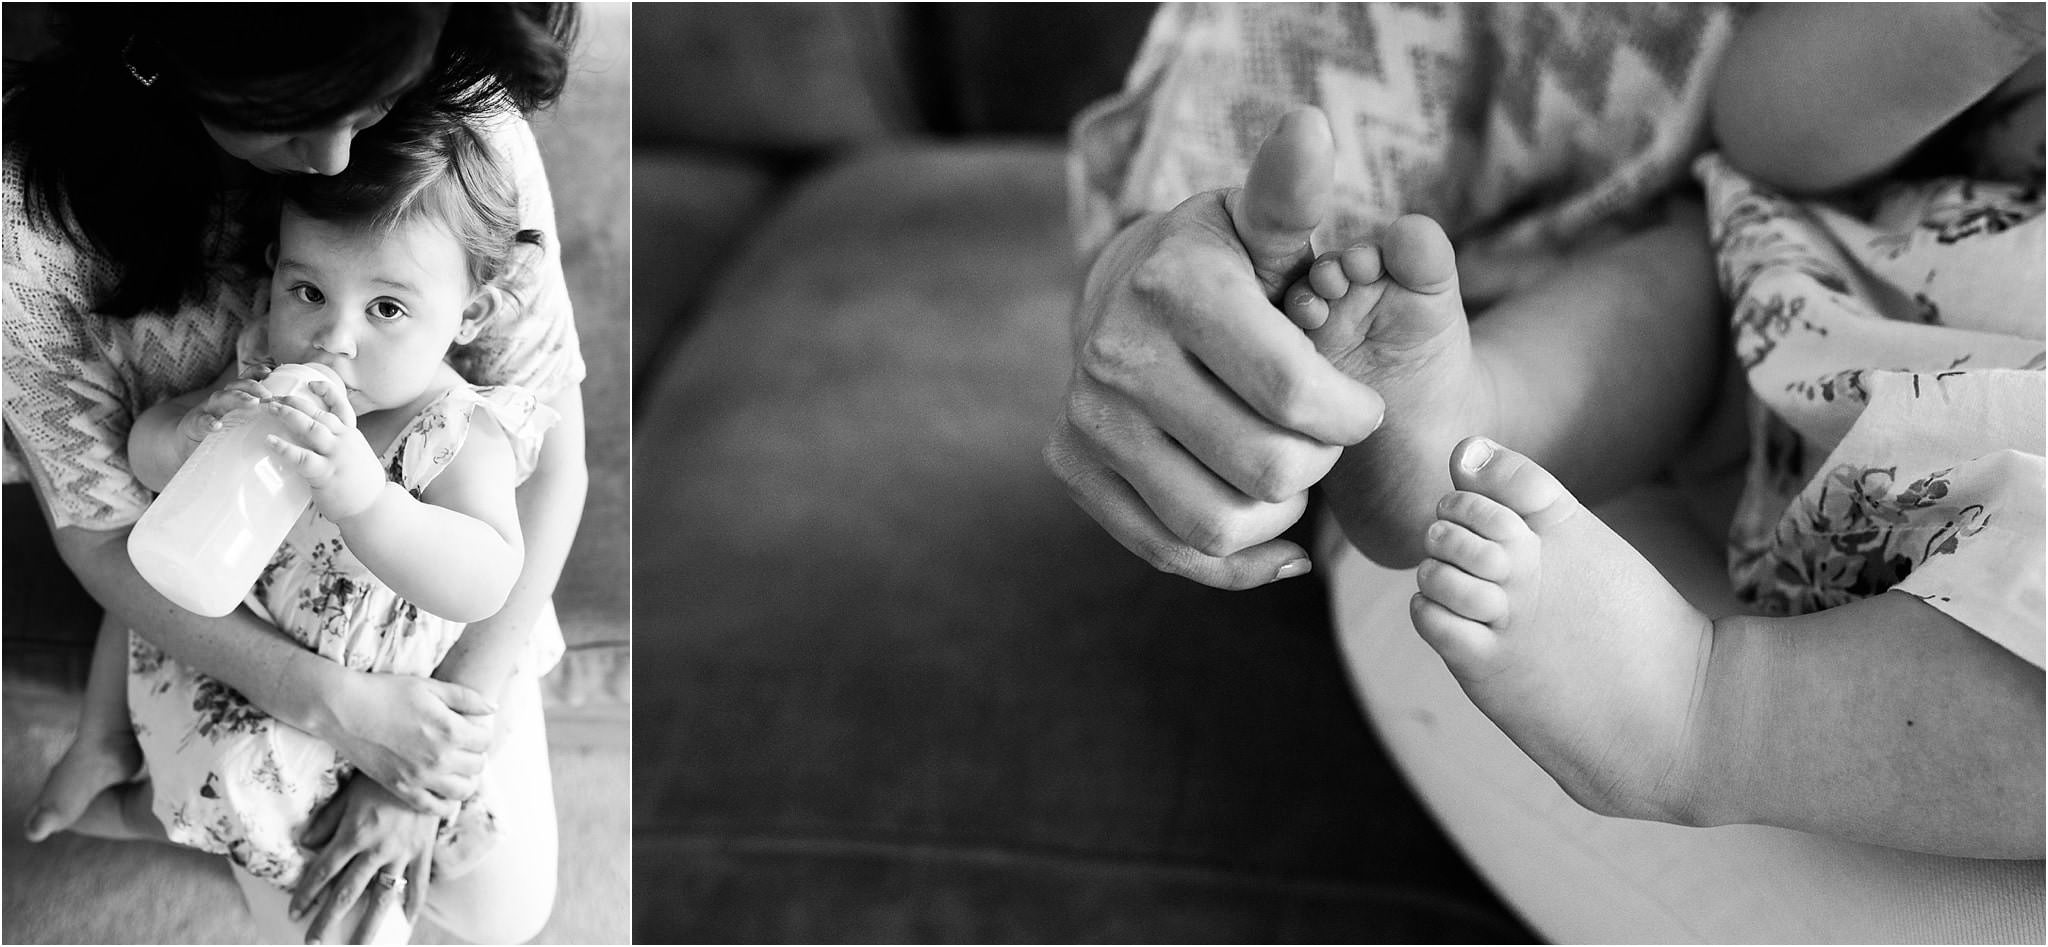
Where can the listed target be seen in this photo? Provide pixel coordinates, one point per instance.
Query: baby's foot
(121, 812)
(1562, 633)
(1390, 315)
(94, 764)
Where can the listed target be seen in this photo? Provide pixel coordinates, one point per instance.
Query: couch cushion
(770, 76)
(905, 689)
(690, 208)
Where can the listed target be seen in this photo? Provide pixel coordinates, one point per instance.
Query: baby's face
(379, 309)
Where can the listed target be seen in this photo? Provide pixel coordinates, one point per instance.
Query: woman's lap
(1578, 877)
(508, 896)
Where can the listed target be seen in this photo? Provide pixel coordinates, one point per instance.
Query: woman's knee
(496, 909)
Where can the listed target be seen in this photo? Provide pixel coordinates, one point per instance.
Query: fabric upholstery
(908, 691)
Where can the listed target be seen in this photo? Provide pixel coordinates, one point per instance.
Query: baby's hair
(428, 167)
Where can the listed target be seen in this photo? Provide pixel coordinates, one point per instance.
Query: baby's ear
(483, 307)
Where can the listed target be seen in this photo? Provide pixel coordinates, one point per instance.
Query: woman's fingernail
(1477, 454)
(1294, 567)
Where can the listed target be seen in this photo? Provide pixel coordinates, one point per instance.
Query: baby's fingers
(311, 467)
(335, 399)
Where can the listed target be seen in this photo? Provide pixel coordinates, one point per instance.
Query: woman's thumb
(1284, 197)
(320, 829)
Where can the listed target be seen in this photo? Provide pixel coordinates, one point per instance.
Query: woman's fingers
(1210, 516)
(320, 829)
(1121, 512)
(327, 862)
(341, 895)
(419, 875)
(383, 902)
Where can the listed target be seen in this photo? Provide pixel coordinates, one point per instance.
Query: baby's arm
(455, 551)
(1818, 97)
(166, 435)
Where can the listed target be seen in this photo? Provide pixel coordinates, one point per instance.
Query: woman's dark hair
(125, 165)
(416, 166)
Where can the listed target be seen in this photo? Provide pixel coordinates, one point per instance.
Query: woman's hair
(417, 166)
(109, 122)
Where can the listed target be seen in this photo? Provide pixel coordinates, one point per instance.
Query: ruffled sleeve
(434, 438)
(535, 346)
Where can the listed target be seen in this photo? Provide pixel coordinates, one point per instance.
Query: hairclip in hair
(148, 80)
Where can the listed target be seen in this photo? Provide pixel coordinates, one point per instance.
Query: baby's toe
(1463, 643)
(1419, 256)
(1486, 518)
(1458, 545)
(1481, 466)
(1303, 307)
(1465, 594)
(1361, 264)
(1326, 276)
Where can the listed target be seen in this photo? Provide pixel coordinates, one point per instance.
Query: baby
(1892, 339)
(378, 274)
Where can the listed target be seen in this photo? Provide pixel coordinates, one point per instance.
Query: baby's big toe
(1418, 255)
(1480, 466)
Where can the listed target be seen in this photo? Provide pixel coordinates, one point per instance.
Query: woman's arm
(1815, 97)
(550, 508)
(1883, 720)
(423, 739)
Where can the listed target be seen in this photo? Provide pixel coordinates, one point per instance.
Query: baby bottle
(207, 537)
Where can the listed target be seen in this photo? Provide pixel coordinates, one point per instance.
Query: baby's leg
(1390, 314)
(508, 897)
(1561, 632)
(103, 754)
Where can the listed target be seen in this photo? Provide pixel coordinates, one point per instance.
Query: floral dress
(1894, 352)
(230, 779)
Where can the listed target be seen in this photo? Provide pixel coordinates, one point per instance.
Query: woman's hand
(363, 833)
(327, 450)
(423, 740)
(1198, 415)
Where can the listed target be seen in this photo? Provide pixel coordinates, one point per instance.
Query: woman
(128, 279)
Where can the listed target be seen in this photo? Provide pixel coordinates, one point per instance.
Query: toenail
(1477, 454)
(1294, 567)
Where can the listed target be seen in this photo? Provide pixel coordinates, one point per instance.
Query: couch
(72, 889)
(894, 685)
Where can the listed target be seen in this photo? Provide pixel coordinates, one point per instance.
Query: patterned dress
(1894, 354)
(1520, 127)
(230, 779)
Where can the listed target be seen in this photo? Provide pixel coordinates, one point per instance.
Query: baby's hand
(205, 417)
(327, 450)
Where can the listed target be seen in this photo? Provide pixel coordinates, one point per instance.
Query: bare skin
(1845, 722)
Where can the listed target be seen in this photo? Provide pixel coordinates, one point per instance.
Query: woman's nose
(326, 152)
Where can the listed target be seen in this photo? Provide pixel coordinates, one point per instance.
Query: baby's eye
(387, 310)
(307, 294)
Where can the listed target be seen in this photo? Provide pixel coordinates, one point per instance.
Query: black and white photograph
(1048, 473)
(316, 610)
(1353, 472)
